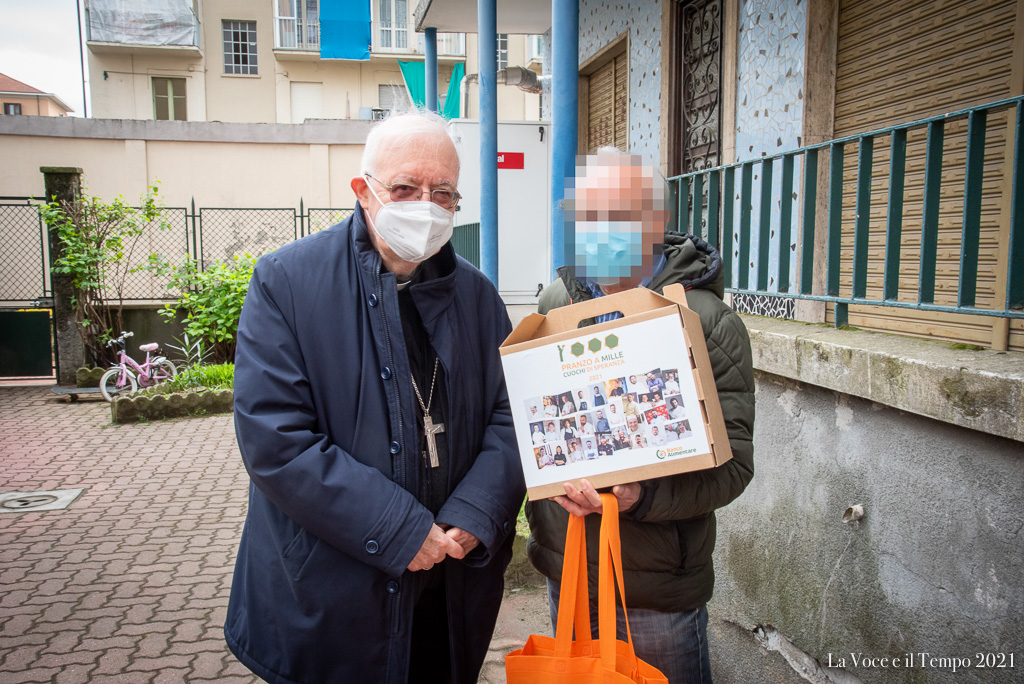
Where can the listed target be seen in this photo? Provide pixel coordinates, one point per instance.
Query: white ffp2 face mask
(414, 231)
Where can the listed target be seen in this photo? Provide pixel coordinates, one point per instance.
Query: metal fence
(24, 253)
(209, 235)
(873, 256)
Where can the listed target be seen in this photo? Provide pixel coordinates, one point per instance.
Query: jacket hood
(689, 260)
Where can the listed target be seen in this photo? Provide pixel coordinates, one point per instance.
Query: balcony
(395, 42)
(141, 27)
(292, 33)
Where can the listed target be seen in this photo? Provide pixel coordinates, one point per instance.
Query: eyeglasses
(403, 192)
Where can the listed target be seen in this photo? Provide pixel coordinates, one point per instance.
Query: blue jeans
(675, 643)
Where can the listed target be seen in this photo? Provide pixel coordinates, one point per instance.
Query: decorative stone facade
(769, 110)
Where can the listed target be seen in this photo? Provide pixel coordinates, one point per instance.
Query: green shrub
(99, 248)
(216, 376)
(211, 299)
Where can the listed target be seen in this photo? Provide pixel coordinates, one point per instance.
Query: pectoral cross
(430, 430)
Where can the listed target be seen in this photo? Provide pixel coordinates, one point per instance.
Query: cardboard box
(626, 400)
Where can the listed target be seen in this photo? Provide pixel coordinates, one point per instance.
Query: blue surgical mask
(607, 252)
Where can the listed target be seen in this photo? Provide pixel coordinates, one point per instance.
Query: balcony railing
(292, 33)
(448, 44)
(131, 24)
(451, 44)
(871, 256)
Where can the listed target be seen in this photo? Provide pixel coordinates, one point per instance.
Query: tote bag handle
(574, 592)
(610, 565)
(574, 589)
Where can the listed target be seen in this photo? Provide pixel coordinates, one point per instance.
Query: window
(297, 24)
(604, 95)
(392, 97)
(240, 47)
(502, 51)
(696, 88)
(534, 48)
(393, 22)
(169, 99)
(307, 101)
(12, 108)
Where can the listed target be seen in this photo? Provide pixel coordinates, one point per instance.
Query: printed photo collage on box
(608, 419)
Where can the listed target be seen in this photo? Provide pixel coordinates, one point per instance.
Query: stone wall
(934, 566)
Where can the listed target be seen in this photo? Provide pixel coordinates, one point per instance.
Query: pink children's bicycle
(127, 376)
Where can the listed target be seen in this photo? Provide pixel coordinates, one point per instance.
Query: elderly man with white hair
(372, 417)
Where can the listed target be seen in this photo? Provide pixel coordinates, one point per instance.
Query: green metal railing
(713, 217)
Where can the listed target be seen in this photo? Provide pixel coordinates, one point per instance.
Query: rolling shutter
(606, 105)
(901, 62)
(307, 101)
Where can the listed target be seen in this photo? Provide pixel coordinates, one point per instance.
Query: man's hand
(435, 548)
(467, 541)
(586, 500)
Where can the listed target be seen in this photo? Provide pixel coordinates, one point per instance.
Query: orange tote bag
(606, 660)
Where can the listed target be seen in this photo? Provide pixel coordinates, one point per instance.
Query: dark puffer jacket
(668, 537)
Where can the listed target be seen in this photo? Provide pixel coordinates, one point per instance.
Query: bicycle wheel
(109, 383)
(164, 370)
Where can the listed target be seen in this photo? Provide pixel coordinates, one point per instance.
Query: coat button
(395, 447)
(385, 372)
(506, 526)
(371, 546)
(373, 300)
(392, 587)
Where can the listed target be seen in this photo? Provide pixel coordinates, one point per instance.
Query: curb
(132, 409)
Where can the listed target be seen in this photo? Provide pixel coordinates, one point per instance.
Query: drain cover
(20, 502)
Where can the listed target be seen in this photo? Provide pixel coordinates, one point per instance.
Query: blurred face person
(616, 211)
(632, 423)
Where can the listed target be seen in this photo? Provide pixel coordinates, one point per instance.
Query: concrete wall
(935, 566)
(219, 165)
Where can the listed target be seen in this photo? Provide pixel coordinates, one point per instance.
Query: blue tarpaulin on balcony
(345, 29)
(415, 82)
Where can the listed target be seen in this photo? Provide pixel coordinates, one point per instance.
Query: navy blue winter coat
(324, 413)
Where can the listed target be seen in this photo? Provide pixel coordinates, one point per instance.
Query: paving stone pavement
(130, 583)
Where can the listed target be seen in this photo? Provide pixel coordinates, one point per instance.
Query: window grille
(393, 22)
(502, 51)
(240, 47)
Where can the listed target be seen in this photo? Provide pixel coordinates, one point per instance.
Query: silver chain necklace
(430, 429)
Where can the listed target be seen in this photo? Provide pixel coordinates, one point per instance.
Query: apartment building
(20, 98)
(275, 61)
